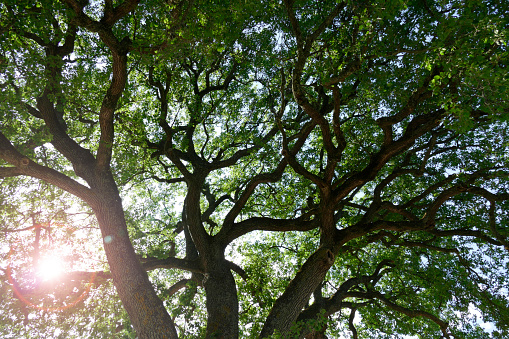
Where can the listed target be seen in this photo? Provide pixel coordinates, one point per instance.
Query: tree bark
(220, 287)
(146, 311)
(288, 307)
(222, 303)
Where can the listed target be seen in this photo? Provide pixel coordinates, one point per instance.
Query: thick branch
(108, 108)
(287, 307)
(466, 233)
(301, 224)
(351, 325)
(419, 125)
(112, 15)
(244, 152)
(178, 286)
(6, 172)
(493, 227)
(25, 166)
(150, 264)
(335, 303)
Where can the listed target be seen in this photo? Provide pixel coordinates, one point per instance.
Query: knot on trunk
(24, 162)
(330, 257)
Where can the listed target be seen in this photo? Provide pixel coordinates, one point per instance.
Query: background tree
(294, 169)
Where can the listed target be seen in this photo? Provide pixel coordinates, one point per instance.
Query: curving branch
(396, 241)
(50, 103)
(228, 223)
(493, 227)
(336, 302)
(25, 166)
(351, 325)
(237, 269)
(178, 286)
(241, 228)
(219, 87)
(244, 152)
(113, 14)
(119, 49)
(150, 264)
(417, 127)
(409, 312)
(304, 45)
(463, 232)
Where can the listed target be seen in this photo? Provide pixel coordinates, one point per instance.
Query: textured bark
(222, 303)
(146, 311)
(220, 287)
(288, 307)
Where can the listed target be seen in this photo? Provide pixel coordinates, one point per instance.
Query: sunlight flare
(51, 267)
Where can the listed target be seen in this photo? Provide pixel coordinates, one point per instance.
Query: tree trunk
(146, 311)
(222, 303)
(287, 308)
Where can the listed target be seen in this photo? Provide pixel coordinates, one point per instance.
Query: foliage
(280, 169)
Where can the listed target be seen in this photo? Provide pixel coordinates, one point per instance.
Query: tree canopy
(254, 169)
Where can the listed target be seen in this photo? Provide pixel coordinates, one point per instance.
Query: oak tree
(293, 169)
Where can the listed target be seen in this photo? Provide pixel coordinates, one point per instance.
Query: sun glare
(51, 267)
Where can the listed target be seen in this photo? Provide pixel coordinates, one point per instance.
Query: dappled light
(254, 169)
